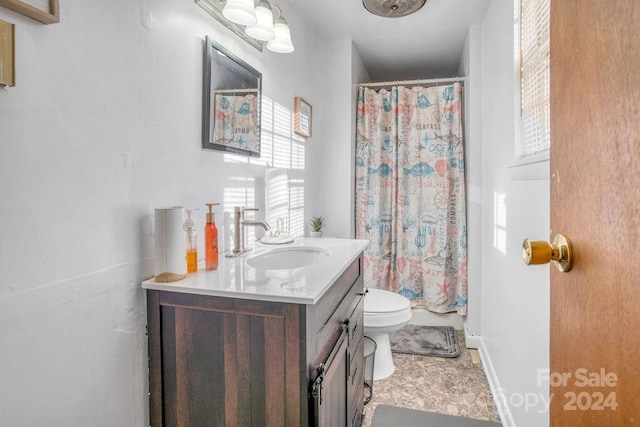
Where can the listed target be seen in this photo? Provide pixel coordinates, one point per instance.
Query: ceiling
(426, 44)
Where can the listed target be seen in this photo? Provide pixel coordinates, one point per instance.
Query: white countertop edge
(182, 286)
(175, 287)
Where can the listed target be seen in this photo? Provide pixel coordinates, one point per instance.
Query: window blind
(285, 151)
(534, 75)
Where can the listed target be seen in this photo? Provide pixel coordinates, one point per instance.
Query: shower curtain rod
(414, 82)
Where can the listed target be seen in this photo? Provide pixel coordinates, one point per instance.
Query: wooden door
(595, 200)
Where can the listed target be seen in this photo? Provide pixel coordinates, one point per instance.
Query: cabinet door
(329, 389)
(356, 363)
(221, 361)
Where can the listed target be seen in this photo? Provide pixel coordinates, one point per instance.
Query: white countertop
(237, 279)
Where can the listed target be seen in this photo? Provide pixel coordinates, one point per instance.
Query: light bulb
(263, 29)
(282, 42)
(241, 12)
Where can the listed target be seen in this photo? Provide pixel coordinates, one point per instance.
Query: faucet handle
(249, 210)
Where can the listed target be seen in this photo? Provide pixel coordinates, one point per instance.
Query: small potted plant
(317, 224)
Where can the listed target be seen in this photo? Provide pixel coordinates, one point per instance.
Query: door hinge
(316, 388)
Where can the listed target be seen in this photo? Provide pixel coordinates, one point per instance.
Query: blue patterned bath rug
(438, 341)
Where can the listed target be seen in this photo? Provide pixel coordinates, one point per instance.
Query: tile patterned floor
(456, 386)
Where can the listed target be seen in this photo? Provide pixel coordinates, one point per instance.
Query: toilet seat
(385, 309)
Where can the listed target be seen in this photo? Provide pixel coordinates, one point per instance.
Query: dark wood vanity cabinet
(216, 361)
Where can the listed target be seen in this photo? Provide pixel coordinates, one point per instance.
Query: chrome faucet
(239, 222)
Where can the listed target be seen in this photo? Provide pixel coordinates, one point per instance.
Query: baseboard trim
(476, 341)
(471, 341)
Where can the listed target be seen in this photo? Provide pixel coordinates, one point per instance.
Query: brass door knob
(542, 252)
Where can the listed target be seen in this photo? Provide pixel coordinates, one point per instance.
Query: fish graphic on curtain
(235, 118)
(410, 195)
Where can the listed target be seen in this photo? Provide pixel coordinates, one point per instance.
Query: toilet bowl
(384, 312)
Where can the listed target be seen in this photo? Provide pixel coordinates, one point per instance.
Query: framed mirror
(231, 103)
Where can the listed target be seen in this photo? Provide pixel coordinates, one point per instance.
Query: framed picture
(45, 11)
(302, 117)
(231, 103)
(7, 57)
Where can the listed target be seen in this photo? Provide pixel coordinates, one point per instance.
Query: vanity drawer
(342, 291)
(349, 310)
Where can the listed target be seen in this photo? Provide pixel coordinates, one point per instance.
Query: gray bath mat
(439, 341)
(392, 416)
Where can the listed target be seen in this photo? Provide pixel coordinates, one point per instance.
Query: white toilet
(384, 312)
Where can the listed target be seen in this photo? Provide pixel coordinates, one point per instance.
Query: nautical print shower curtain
(410, 194)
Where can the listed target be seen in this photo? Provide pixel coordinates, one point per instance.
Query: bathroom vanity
(273, 338)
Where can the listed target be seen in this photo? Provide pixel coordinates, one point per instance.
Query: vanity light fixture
(263, 29)
(258, 17)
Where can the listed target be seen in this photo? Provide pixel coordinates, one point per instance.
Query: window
(284, 154)
(533, 42)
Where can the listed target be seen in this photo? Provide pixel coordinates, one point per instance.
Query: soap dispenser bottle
(211, 239)
(192, 243)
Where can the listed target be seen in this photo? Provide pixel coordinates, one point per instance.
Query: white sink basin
(288, 258)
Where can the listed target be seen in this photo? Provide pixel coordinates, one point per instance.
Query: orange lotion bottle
(211, 239)
(192, 244)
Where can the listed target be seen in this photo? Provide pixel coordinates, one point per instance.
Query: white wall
(515, 298)
(358, 75)
(342, 69)
(471, 68)
(104, 125)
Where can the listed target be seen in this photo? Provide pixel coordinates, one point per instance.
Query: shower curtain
(410, 194)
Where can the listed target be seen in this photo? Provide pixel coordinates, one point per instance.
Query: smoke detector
(393, 8)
